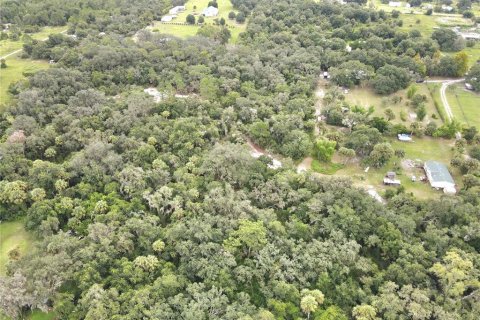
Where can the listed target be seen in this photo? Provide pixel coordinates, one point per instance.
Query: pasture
(465, 105)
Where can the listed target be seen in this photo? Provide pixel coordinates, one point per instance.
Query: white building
(210, 12)
(446, 8)
(394, 4)
(166, 18)
(404, 137)
(439, 177)
(177, 9)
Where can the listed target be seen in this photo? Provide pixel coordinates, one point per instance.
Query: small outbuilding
(390, 179)
(404, 137)
(439, 176)
(210, 12)
(468, 86)
(166, 18)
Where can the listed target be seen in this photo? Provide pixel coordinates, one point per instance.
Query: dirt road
(443, 96)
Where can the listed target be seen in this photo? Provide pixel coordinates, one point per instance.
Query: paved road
(20, 50)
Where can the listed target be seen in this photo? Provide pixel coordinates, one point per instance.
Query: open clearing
(185, 31)
(7, 46)
(12, 236)
(465, 105)
(17, 67)
(426, 24)
(421, 149)
(366, 97)
(15, 71)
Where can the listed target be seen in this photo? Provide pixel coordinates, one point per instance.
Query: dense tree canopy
(156, 209)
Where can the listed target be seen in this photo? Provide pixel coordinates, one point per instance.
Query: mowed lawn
(421, 149)
(7, 46)
(12, 236)
(16, 68)
(185, 31)
(366, 97)
(465, 105)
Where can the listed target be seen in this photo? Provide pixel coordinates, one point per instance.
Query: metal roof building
(439, 176)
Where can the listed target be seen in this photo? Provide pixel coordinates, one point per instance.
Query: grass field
(7, 46)
(473, 54)
(465, 105)
(38, 315)
(16, 67)
(15, 70)
(422, 149)
(184, 31)
(365, 97)
(427, 24)
(12, 236)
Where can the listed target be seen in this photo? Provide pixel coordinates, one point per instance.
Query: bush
(475, 152)
(240, 18)
(429, 12)
(468, 14)
(231, 15)
(190, 19)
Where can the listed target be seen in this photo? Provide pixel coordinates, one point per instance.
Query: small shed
(439, 177)
(468, 86)
(390, 179)
(326, 75)
(394, 4)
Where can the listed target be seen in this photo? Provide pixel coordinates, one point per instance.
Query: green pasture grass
(465, 105)
(326, 167)
(16, 68)
(366, 97)
(12, 235)
(7, 46)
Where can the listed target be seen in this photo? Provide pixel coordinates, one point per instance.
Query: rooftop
(439, 172)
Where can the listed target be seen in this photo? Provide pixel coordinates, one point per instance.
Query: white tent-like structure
(210, 12)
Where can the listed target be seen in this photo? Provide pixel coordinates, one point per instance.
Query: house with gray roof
(439, 176)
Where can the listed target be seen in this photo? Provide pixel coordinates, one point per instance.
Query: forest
(151, 209)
